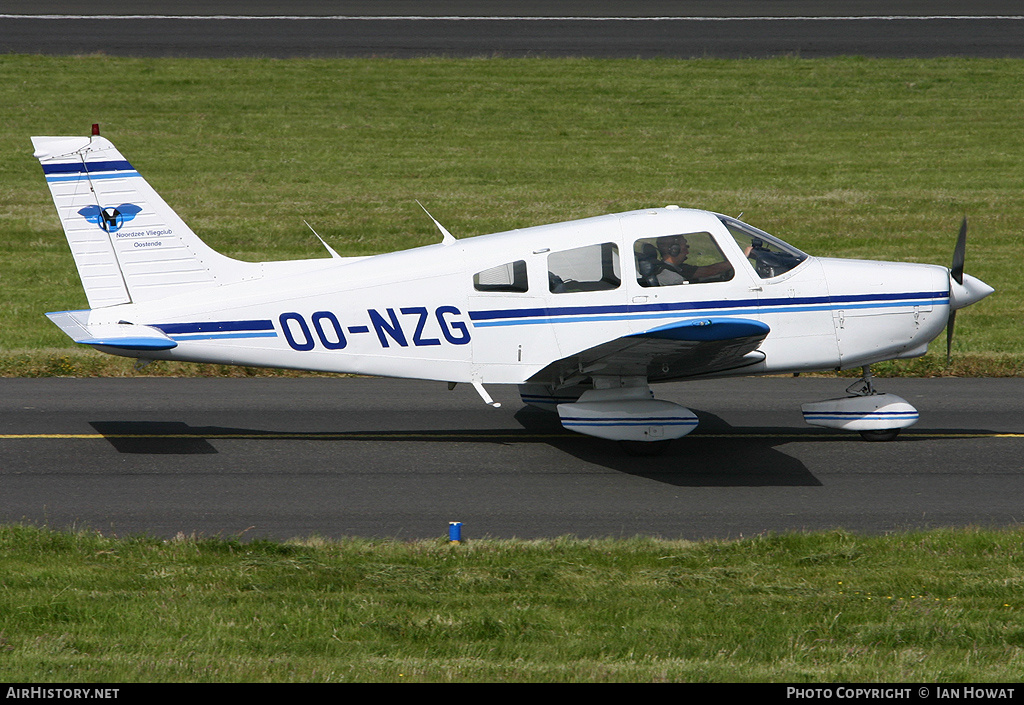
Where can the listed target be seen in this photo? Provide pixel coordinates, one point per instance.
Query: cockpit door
(792, 298)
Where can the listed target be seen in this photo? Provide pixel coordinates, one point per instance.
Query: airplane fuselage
(488, 308)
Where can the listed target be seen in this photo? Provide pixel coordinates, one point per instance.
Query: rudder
(128, 244)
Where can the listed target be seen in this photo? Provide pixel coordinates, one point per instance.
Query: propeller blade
(949, 337)
(956, 273)
(957, 270)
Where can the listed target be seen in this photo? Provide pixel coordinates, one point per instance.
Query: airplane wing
(674, 351)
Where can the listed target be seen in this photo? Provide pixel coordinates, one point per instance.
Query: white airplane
(584, 315)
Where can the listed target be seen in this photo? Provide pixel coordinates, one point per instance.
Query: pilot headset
(671, 250)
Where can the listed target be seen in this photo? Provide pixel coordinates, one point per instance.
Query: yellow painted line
(274, 436)
(26, 436)
(467, 435)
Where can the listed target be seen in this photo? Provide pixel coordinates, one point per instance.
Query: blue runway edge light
(455, 531)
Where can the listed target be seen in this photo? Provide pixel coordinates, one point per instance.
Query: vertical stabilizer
(128, 245)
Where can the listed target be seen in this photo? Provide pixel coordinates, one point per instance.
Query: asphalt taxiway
(281, 458)
(593, 28)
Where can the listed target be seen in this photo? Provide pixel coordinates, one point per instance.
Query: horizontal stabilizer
(124, 336)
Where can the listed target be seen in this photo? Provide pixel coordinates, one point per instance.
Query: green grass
(845, 157)
(940, 606)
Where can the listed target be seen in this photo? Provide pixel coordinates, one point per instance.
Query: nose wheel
(881, 435)
(877, 417)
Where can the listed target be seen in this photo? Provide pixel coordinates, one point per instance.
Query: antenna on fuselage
(446, 237)
(330, 249)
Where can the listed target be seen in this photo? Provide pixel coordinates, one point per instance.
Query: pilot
(674, 249)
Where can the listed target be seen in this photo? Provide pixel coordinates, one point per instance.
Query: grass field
(936, 607)
(842, 157)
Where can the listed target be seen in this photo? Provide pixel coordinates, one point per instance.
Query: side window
(590, 268)
(693, 258)
(505, 277)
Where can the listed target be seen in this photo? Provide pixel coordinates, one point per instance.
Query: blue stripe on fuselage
(209, 326)
(576, 314)
(218, 330)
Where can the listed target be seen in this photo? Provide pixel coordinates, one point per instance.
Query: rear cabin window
(693, 258)
(590, 268)
(509, 277)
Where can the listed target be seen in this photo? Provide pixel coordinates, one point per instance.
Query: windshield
(769, 255)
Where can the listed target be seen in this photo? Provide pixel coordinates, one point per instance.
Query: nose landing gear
(876, 416)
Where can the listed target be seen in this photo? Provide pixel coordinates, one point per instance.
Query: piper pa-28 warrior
(584, 316)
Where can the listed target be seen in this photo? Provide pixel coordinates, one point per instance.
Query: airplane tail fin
(128, 245)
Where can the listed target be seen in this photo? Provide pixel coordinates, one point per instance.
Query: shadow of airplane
(698, 460)
(717, 454)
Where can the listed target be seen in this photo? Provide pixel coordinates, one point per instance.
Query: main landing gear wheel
(644, 449)
(883, 434)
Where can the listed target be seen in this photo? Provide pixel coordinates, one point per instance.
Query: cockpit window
(590, 268)
(692, 258)
(509, 277)
(769, 255)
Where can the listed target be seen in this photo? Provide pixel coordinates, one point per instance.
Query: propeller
(964, 289)
(956, 273)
